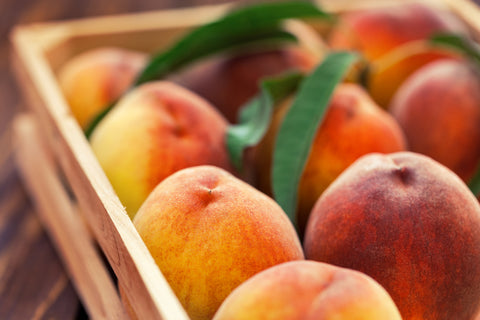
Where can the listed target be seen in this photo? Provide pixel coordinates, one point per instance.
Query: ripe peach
(230, 81)
(387, 73)
(376, 32)
(353, 126)
(412, 225)
(153, 131)
(438, 108)
(308, 290)
(209, 232)
(96, 78)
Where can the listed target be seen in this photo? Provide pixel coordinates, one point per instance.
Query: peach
(353, 126)
(308, 290)
(438, 108)
(385, 75)
(376, 32)
(230, 81)
(93, 79)
(153, 131)
(412, 225)
(209, 232)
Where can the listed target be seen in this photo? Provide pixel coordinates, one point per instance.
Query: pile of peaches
(385, 226)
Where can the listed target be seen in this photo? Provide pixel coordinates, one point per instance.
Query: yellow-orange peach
(209, 232)
(308, 290)
(155, 130)
(386, 74)
(96, 78)
(353, 126)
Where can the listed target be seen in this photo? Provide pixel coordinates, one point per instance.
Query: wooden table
(33, 282)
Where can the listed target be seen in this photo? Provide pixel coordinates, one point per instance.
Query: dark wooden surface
(33, 282)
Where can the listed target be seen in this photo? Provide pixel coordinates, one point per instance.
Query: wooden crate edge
(83, 263)
(146, 288)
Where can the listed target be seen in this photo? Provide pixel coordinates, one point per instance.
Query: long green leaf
(256, 115)
(258, 24)
(193, 48)
(300, 125)
(171, 62)
(238, 27)
(459, 43)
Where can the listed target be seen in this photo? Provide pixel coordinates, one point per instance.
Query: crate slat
(77, 249)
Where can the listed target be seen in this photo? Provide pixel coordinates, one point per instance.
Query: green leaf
(253, 25)
(474, 183)
(300, 125)
(96, 120)
(256, 115)
(242, 26)
(459, 43)
(271, 12)
(471, 50)
(191, 48)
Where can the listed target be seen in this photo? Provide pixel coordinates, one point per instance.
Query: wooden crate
(54, 156)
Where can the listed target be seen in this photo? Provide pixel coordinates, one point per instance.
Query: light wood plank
(469, 12)
(89, 275)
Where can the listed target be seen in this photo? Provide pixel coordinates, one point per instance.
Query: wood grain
(33, 284)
